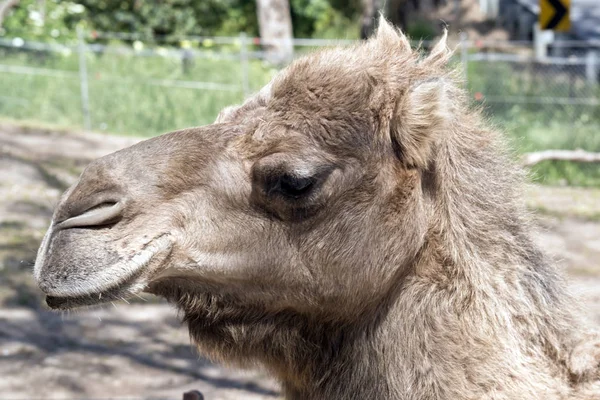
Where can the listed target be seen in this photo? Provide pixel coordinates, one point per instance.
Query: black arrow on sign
(560, 13)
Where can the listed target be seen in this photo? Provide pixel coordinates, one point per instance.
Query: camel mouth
(120, 291)
(138, 271)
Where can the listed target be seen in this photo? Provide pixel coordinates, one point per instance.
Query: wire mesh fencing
(119, 83)
(510, 73)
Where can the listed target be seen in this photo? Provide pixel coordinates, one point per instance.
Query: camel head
(313, 188)
(353, 227)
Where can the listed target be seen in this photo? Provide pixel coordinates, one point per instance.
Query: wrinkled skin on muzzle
(117, 228)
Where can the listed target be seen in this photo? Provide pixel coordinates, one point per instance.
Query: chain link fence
(146, 88)
(512, 73)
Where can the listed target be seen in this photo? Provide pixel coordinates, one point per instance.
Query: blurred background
(80, 79)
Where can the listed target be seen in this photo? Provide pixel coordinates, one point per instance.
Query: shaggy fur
(355, 228)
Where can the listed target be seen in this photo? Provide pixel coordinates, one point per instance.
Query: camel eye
(294, 187)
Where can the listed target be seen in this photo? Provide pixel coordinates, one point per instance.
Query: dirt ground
(140, 350)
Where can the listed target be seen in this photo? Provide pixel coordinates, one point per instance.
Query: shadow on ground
(130, 350)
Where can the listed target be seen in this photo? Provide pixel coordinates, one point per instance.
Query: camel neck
(353, 369)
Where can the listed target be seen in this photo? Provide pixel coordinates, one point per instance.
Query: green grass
(122, 103)
(535, 127)
(530, 129)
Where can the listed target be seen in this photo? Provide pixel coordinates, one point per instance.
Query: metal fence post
(591, 66)
(244, 63)
(464, 56)
(83, 80)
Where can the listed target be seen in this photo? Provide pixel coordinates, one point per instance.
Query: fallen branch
(578, 155)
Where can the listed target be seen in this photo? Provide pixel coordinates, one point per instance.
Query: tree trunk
(275, 25)
(5, 6)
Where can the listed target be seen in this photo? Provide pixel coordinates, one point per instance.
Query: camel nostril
(101, 214)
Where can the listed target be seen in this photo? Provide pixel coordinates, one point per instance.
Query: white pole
(83, 80)
(244, 63)
(591, 67)
(541, 40)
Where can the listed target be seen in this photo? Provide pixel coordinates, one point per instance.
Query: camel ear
(424, 110)
(390, 39)
(421, 116)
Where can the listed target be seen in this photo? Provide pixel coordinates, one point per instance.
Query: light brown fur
(406, 270)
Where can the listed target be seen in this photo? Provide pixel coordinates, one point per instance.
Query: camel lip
(119, 291)
(126, 271)
(129, 285)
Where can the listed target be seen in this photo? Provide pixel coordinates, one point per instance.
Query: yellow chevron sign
(554, 15)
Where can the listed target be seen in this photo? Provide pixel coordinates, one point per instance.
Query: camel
(355, 228)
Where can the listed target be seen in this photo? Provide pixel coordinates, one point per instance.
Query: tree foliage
(325, 18)
(54, 19)
(48, 20)
(170, 17)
